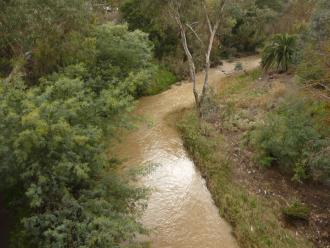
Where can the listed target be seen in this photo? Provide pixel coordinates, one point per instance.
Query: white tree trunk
(175, 12)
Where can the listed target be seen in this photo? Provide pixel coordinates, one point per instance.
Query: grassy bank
(254, 220)
(215, 145)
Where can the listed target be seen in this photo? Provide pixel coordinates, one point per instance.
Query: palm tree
(280, 52)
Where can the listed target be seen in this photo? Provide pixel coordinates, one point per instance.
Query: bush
(255, 220)
(238, 66)
(119, 52)
(160, 80)
(150, 81)
(54, 166)
(280, 52)
(297, 210)
(47, 34)
(291, 139)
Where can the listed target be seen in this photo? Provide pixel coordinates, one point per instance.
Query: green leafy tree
(149, 16)
(279, 53)
(54, 163)
(249, 30)
(43, 34)
(120, 52)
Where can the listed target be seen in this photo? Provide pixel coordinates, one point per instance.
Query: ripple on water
(180, 212)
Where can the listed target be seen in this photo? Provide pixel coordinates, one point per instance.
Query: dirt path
(180, 212)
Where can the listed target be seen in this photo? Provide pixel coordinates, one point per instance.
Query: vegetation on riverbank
(224, 148)
(254, 220)
(65, 89)
(71, 72)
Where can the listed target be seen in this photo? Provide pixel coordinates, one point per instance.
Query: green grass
(237, 84)
(255, 221)
(297, 211)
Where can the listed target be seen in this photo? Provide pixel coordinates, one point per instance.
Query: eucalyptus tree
(202, 19)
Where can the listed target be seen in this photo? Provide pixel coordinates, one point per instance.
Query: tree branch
(195, 33)
(175, 8)
(209, 24)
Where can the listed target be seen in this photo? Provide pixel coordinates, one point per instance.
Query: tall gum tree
(203, 24)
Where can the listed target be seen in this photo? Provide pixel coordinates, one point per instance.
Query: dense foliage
(147, 16)
(54, 165)
(243, 29)
(124, 57)
(68, 85)
(211, 152)
(249, 31)
(39, 36)
(314, 68)
(294, 139)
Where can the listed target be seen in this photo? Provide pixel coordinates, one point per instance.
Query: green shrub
(196, 137)
(150, 81)
(161, 79)
(292, 139)
(238, 66)
(280, 52)
(297, 210)
(255, 221)
(119, 52)
(311, 68)
(54, 164)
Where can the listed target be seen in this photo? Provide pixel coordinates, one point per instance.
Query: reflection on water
(180, 210)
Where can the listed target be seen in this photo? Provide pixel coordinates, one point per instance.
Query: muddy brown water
(180, 212)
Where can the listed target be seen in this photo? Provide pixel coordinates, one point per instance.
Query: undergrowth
(293, 139)
(160, 80)
(242, 104)
(255, 221)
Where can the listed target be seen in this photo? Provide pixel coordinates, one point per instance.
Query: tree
(280, 52)
(212, 21)
(147, 15)
(249, 31)
(40, 36)
(53, 147)
(54, 166)
(120, 52)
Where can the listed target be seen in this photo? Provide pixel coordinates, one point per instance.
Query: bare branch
(212, 28)
(195, 33)
(209, 24)
(175, 9)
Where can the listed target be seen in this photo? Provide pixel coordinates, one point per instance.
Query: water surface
(180, 212)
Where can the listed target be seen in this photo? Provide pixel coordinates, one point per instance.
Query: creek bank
(180, 211)
(248, 196)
